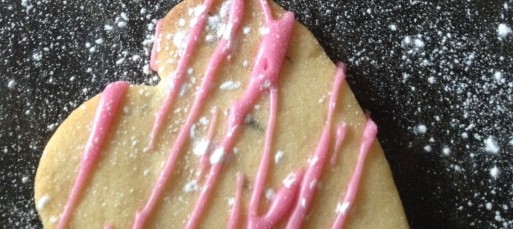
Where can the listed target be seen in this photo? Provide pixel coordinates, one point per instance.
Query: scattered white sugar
(179, 40)
(231, 201)
(191, 186)
(42, 202)
(289, 180)
(24, 179)
(146, 172)
(181, 22)
(494, 172)
(11, 84)
(120, 61)
(143, 11)
(428, 148)
(446, 151)
(264, 30)
(196, 11)
(269, 194)
(136, 57)
(124, 16)
(499, 77)
(303, 202)
(229, 85)
(491, 145)
(92, 49)
(194, 131)
(246, 30)
(278, 156)
(236, 150)
(53, 219)
(108, 27)
(217, 156)
(201, 147)
(228, 30)
(503, 30)
(392, 27)
(419, 43)
(225, 9)
(99, 41)
(203, 121)
(87, 45)
(342, 208)
(488, 206)
(183, 89)
(37, 56)
(121, 24)
(431, 80)
(421, 129)
(146, 69)
(312, 161)
(312, 184)
(209, 38)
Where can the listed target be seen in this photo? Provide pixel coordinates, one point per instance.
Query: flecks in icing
(340, 136)
(210, 137)
(178, 76)
(233, 221)
(316, 165)
(103, 119)
(156, 45)
(219, 56)
(369, 135)
(265, 74)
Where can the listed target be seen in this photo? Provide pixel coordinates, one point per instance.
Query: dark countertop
(437, 77)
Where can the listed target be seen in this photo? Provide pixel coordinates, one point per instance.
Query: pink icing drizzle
(235, 214)
(369, 135)
(210, 138)
(285, 196)
(341, 135)
(108, 226)
(156, 45)
(220, 54)
(103, 119)
(266, 70)
(180, 73)
(314, 170)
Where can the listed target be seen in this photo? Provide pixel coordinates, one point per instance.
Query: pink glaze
(220, 54)
(210, 137)
(156, 45)
(179, 75)
(266, 71)
(314, 170)
(340, 136)
(103, 119)
(286, 195)
(108, 226)
(233, 222)
(369, 135)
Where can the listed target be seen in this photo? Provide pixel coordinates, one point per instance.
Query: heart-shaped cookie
(251, 126)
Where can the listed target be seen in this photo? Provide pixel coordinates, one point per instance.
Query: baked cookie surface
(129, 166)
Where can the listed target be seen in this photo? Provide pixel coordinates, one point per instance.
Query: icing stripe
(216, 60)
(316, 164)
(156, 46)
(265, 74)
(210, 137)
(103, 119)
(235, 214)
(340, 136)
(179, 74)
(369, 135)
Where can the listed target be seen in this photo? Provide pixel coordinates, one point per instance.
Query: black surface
(44, 75)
